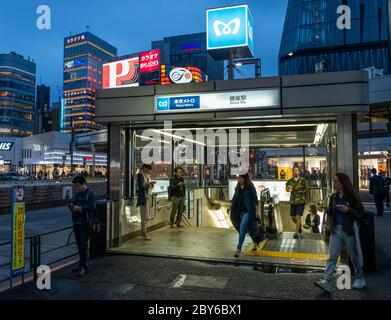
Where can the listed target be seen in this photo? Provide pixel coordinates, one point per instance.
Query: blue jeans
(82, 235)
(243, 228)
(338, 239)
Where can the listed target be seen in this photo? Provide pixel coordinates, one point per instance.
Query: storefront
(48, 156)
(10, 154)
(266, 125)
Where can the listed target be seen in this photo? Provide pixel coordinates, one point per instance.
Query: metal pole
(231, 69)
(72, 144)
(258, 72)
(93, 160)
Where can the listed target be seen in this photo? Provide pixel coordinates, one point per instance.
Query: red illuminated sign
(123, 73)
(150, 61)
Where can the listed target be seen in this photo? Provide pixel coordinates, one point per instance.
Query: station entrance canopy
(308, 121)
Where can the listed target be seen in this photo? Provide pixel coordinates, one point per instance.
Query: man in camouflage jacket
(297, 186)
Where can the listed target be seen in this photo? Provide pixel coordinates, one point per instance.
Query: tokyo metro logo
(221, 28)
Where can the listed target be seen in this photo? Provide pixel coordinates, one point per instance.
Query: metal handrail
(36, 253)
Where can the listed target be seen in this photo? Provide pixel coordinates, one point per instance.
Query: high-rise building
(189, 50)
(17, 95)
(54, 121)
(42, 110)
(312, 41)
(84, 55)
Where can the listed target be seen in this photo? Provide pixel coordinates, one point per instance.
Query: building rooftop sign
(230, 29)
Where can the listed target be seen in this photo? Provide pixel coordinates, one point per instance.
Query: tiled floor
(220, 244)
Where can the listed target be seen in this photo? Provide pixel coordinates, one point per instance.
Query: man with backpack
(377, 188)
(83, 210)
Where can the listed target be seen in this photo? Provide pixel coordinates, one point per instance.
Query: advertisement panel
(150, 61)
(268, 98)
(230, 27)
(18, 231)
(180, 75)
(122, 73)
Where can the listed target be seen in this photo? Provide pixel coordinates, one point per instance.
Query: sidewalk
(135, 278)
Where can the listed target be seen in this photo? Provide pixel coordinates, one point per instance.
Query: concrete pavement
(135, 278)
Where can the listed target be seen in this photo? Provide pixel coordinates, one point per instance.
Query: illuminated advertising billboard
(150, 61)
(180, 75)
(230, 29)
(122, 73)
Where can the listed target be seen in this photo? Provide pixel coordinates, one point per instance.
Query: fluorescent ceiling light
(320, 131)
(178, 137)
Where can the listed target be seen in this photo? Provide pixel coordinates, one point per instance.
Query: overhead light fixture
(320, 131)
(179, 137)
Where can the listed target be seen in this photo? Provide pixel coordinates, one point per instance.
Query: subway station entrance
(305, 121)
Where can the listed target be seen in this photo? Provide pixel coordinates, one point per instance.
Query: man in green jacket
(297, 186)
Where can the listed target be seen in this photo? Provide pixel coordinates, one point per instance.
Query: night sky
(129, 25)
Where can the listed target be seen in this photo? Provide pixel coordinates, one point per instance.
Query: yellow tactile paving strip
(280, 254)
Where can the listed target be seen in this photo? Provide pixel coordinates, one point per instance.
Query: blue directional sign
(229, 28)
(178, 103)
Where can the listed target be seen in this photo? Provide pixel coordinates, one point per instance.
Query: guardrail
(36, 256)
(47, 181)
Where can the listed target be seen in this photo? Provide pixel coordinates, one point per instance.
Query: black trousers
(82, 235)
(379, 202)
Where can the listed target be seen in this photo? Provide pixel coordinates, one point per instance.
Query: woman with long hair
(345, 211)
(244, 209)
(144, 187)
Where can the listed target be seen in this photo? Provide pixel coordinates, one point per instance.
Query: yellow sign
(18, 237)
(285, 173)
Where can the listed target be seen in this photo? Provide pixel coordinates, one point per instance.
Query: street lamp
(251, 61)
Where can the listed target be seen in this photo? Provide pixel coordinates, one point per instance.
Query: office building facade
(313, 42)
(84, 55)
(17, 95)
(189, 51)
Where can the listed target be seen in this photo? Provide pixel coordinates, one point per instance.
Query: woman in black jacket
(345, 211)
(244, 209)
(144, 188)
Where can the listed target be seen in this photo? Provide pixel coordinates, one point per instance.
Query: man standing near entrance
(377, 188)
(297, 186)
(84, 220)
(177, 193)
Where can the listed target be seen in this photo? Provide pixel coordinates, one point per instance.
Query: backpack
(93, 223)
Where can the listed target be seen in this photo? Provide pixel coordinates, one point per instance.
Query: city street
(196, 150)
(131, 277)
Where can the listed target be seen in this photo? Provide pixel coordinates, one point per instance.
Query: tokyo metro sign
(230, 29)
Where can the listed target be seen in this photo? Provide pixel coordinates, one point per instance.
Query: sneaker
(82, 271)
(324, 285)
(359, 284)
(173, 226)
(296, 236)
(146, 237)
(180, 226)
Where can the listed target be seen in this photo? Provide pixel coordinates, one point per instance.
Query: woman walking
(244, 209)
(345, 212)
(144, 187)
